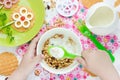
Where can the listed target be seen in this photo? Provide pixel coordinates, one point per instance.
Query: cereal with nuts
(58, 40)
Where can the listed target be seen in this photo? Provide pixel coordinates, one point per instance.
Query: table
(53, 19)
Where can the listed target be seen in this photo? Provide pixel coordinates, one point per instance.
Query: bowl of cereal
(59, 37)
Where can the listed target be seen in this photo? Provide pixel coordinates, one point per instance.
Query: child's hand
(28, 62)
(30, 59)
(99, 63)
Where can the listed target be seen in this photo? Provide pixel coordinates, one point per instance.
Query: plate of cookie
(20, 21)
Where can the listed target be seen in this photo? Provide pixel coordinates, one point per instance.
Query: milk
(56, 52)
(65, 43)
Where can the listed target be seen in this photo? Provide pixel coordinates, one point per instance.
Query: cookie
(89, 3)
(24, 19)
(117, 3)
(37, 72)
(9, 4)
(8, 63)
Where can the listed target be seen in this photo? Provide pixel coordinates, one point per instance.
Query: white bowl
(51, 33)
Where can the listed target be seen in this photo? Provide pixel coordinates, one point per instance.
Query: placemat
(52, 20)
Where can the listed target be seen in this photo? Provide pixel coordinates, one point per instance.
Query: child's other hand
(28, 63)
(98, 63)
(30, 59)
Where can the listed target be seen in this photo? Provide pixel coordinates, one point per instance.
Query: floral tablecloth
(52, 20)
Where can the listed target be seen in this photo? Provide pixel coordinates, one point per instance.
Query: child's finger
(86, 53)
(81, 61)
(38, 58)
(92, 74)
(32, 46)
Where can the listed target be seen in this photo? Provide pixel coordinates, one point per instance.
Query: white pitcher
(102, 19)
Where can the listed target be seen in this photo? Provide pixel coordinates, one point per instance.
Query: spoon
(60, 52)
(86, 32)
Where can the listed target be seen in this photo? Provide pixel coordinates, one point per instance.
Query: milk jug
(102, 19)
